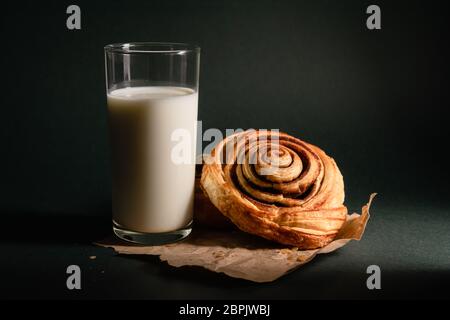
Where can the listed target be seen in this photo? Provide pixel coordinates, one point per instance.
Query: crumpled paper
(241, 255)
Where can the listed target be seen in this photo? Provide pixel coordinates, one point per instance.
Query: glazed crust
(276, 186)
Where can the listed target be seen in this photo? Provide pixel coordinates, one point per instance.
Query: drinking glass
(152, 98)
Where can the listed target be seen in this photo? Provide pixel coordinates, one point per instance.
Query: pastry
(205, 213)
(276, 186)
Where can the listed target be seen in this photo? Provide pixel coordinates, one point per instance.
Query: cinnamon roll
(276, 186)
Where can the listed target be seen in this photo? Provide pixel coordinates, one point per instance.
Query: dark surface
(374, 100)
(411, 246)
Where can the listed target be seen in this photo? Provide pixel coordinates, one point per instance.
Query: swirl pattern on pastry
(276, 186)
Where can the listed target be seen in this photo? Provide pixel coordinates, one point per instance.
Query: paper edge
(359, 219)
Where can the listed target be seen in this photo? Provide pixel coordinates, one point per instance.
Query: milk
(151, 193)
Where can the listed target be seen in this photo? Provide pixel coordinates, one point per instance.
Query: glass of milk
(152, 95)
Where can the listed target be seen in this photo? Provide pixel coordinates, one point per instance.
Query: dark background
(374, 100)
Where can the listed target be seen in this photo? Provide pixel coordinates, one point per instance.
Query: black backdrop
(374, 100)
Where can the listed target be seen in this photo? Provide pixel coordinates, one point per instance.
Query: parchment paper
(242, 255)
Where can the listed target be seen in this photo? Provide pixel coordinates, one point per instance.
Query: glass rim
(152, 47)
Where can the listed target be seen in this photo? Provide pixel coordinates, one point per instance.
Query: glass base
(151, 239)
